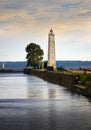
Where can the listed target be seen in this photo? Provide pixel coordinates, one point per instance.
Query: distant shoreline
(10, 71)
(18, 65)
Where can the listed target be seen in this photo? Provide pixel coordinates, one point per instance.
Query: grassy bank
(84, 77)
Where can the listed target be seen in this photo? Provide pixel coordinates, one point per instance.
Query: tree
(34, 55)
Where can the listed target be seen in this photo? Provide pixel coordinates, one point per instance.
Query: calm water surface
(29, 103)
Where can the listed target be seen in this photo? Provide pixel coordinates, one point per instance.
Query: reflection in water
(13, 86)
(52, 93)
(29, 103)
(39, 89)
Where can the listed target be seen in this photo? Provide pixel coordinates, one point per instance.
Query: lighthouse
(51, 65)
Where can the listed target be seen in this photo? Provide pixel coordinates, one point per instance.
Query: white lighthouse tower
(51, 51)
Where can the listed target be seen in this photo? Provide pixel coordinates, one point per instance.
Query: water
(19, 65)
(29, 103)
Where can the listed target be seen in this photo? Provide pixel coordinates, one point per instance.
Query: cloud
(63, 16)
(25, 21)
(84, 13)
(72, 5)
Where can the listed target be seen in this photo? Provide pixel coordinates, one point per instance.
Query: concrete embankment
(66, 80)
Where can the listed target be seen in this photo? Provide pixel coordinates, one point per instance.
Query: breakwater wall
(66, 80)
(57, 78)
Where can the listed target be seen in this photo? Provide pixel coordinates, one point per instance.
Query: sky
(26, 21)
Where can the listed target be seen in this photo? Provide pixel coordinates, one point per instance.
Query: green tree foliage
(34, 55)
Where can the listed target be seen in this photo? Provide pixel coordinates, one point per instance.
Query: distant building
(51, 51)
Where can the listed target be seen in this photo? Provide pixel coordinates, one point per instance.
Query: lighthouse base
(51, 68)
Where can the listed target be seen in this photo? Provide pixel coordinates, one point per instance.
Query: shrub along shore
(76, 82)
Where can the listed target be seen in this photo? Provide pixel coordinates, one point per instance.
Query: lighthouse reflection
(52, 93)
